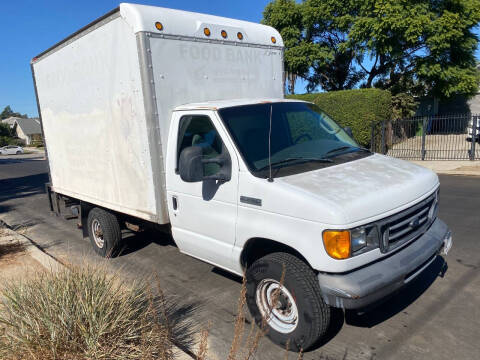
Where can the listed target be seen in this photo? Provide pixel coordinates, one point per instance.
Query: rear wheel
(104, 232)
(18, 152)
(283, 296)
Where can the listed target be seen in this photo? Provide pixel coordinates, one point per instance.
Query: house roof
(10, 121)
(29, 126)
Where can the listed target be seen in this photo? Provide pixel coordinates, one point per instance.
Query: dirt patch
(15, 260)
(18, 266)
(10, 249)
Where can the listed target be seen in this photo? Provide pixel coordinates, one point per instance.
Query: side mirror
(191, 165)
(349, 131)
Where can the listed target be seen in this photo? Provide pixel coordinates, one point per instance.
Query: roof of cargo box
(220, 104)
(178, 23)
(184, 23)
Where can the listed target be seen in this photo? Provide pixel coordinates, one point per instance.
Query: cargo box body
(106, 95)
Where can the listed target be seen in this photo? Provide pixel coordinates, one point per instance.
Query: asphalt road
(432, 318)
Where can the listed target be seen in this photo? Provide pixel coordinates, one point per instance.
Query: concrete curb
(447, 167)
(50, 263)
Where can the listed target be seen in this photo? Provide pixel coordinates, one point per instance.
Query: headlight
(364, 238)
(342, 244)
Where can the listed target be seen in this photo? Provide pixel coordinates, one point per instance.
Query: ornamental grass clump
(82, 313)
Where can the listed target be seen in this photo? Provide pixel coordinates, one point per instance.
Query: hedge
(354, 108)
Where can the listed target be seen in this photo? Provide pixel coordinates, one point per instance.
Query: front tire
(292, 312)
(104, 232)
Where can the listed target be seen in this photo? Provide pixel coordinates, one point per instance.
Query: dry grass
(82, 313)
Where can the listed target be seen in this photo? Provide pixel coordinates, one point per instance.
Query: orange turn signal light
(159, 25)
(337, 243)
(224, 34)
(206, 31)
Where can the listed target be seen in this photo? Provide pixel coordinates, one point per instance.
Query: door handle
(174, 202)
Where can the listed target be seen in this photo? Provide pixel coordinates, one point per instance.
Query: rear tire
(104, 232)
(297, 298)
(18, 152)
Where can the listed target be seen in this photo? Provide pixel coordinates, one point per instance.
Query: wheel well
(256, 248)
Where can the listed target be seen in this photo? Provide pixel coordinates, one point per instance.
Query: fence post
(474, 133)
(424, 133)
(372, 138)
(384, 150)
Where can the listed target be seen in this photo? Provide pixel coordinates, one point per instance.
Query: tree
(286, 16)
(8, 112)
(418, 47)
(426, 45)
(6, 130)
(327, 23)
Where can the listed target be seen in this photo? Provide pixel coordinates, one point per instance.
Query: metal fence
(446, 137)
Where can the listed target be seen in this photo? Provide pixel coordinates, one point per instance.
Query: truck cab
(250, 182)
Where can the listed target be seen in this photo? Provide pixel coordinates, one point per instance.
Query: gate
(446, 137)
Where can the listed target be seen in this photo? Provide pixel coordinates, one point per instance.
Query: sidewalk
(21, 258)
(452, 167)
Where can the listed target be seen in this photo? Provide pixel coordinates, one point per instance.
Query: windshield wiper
(293, 160)
(341, 148)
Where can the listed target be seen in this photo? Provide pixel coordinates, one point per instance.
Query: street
(433, 317)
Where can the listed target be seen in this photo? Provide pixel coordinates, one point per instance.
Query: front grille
(407, 224)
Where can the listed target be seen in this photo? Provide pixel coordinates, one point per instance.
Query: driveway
(432, 318)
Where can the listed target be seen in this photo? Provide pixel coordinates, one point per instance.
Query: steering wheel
(306, 136)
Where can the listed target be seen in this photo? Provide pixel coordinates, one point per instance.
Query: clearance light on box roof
(224, 34)
(159, 26)
(206, 31)
(274, 40)
(240, 36)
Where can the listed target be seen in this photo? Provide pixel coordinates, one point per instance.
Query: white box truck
(154, 116)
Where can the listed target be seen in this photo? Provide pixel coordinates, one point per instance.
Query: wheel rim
(97, 233)
(277, 306)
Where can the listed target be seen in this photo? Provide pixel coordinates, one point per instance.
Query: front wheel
(104, 232)
(283, 296)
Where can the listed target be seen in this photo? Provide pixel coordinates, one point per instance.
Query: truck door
(202, 214)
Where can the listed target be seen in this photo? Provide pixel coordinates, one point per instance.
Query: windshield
(301, 134)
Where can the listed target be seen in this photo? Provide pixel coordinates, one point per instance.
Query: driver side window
(198, 130)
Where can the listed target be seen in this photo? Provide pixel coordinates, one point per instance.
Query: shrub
(82, 313)
(16, 142)
(354, 108)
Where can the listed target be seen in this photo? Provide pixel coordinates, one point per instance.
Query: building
(10, 121)
(29, 130)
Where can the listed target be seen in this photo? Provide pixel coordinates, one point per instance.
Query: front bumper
(367, 285)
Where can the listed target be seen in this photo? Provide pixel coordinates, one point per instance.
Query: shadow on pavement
(133, 242)
(22, 187)
(19, 160)
(399, 301)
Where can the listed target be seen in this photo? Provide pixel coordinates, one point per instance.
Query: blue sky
(31, 26)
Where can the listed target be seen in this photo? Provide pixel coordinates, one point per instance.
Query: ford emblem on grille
(414, 223)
